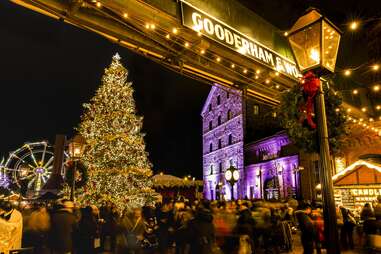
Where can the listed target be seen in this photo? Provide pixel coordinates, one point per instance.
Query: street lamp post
(232, 176)
(315, 42)
(76, 149)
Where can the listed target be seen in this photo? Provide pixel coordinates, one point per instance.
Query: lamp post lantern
(76, 149)
(232, 176)
(315, 42)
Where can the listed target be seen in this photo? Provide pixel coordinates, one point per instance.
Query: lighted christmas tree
(119, 170)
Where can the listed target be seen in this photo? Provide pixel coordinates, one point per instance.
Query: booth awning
(359, 173)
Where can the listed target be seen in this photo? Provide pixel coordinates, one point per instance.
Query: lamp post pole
(329, 209)
(72, 189)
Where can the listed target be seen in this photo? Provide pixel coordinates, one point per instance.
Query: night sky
(49, 68)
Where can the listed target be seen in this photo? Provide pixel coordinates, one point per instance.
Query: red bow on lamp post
(310, 85)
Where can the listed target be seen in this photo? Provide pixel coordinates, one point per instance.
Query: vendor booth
(358, 184)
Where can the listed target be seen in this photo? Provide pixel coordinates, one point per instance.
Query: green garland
(299, 132)
(82, 175)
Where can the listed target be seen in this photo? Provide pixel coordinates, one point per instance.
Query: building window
(227, 95)
(218, 100)
(220, 167)
(211, 147)
(210, 107)
(219, 144)
(211, 169)
(231, 162)
(210, 125)
(230, 139)
(230, 114)
(256, 110)
(219, 120)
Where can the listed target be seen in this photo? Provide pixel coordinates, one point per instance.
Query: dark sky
(48, 69)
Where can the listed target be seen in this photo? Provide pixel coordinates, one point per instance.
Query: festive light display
(119, 170)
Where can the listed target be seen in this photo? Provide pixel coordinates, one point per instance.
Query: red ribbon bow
(310, 86)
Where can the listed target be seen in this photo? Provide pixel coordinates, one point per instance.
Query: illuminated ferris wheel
(29, 167)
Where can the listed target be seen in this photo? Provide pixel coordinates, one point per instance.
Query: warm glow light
(376, 67)
(354, 120)
(245, 71)
(256, 77)
(199, 33)
(277, 86)
(378, 107)
(202, 51)
(258, 71)
(314, 55)
(267, 81)
(347, 72)
(276, 73)
(363, 109)
(285, 33)
(174, 30)
(218, 59)
(147, 26)
(353, 25)
(125, 15)
(349, 110)
(361, 119)
(355, 91)
(186, 44)
(152, 26)
(233, 66)
(99, 4)
(376, 88)
(337, 109)
(168, 36)
(371, 119)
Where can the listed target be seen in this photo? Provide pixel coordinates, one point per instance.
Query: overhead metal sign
(229, 37)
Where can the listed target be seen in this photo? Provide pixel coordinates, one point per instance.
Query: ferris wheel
(29, 167)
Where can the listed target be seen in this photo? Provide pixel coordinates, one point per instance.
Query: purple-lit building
(244, 133)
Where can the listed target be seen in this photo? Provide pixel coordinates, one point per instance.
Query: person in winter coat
(87, 231)
(36, 230)
(63, 226)
(346, 234)
(13, 217)
(307, 228)
(201, 235)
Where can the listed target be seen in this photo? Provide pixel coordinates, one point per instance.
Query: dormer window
(230, 139)
(219, 120)
(219, 143)
(218, 100)
(211, 147)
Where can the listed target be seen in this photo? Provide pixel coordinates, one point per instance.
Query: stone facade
(264, 171)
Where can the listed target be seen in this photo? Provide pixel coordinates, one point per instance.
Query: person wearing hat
(63, 226)
(306, 227)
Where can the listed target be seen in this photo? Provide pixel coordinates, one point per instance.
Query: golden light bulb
(349, 110)
(376, 67)
(258, 71)
(267, 81)
(285, 33)
(99, 4)
(378, 107)
(199, 34)
(371, 119)
(353, 25)
(174, 30)
(347, 72)
(202, 51)
(218, 59)
(277, 86)
(376, 88)
(276, 73)
(125, 15)
(337, 109)
(363, 109)
(361, 119)
(147, 26)
(168, 36)
(186, 44)
(355, 91)
(256, 77)
(245, 71)
(232, 65)
(152, 26)
(314, 55)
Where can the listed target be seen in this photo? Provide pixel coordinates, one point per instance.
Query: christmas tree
(119, 170)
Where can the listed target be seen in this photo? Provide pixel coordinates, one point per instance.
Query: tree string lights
(119, 170)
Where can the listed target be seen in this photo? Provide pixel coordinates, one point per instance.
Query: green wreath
(82, 175)
(299, 132)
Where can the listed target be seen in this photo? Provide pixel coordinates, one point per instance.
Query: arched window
(219, 144)
(227, 95)
(230, 139)
(219, 120)
(230, 114)
(220, 167)
(210, 107)
(210, 125)
(210, 147)
(211, 169)
(218, 100)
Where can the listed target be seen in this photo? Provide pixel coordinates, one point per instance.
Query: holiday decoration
(81, 174)
(298, 118)
(119, 170)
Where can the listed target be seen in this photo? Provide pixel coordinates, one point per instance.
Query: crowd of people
(181, 227)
